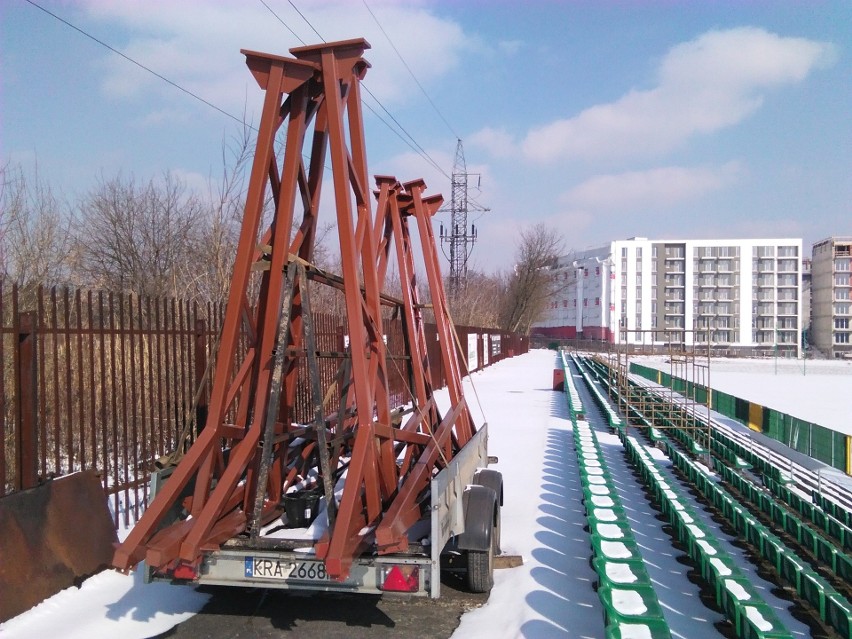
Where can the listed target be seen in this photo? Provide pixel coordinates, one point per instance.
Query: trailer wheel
(495, 534)
(480, 569)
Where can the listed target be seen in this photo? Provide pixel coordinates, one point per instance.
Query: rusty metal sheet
(51, 537)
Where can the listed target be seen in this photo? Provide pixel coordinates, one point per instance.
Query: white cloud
(196, 44)
(498, 142)
(654, 189)
(704, 85)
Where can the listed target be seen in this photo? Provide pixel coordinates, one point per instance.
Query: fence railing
(94, 380)
(112, 382)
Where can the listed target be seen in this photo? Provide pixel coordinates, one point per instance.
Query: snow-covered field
(818, 391)
(550, 595)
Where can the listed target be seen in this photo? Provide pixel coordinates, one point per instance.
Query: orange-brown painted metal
(250, 452)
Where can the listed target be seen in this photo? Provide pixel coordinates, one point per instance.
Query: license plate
(262, 568)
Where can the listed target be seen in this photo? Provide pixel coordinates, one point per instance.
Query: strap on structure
(276, 384)
(316, 398)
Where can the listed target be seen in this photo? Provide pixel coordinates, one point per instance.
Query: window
(841, 279)
(841, 338)
(585, 301)
(597, 270)
(841, 309)
(564, 303)
(597, 301)
(585, 272)
(841, 323)
(841, 264)
(841, 294)
(787, 265)
(624, 252)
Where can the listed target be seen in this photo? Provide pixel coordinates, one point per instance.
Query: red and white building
(581, 305)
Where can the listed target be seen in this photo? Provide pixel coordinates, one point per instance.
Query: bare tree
(477, 302)
(528, 286)
(137, 238)
(208, 276)
(34, 230)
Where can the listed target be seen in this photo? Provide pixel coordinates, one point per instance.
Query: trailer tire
(495, 534)
(480, 570)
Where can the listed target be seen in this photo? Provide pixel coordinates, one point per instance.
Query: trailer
(372, 490)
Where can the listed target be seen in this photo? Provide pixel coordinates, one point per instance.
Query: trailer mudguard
(480, 504)
(491, 478)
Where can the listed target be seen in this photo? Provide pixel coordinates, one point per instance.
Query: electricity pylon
(457, 241)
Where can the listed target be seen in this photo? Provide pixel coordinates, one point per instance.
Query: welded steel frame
(250, 452)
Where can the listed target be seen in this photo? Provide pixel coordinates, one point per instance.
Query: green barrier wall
(823, 444)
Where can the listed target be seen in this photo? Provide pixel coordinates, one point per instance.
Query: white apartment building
(737, 296)
(831, 320)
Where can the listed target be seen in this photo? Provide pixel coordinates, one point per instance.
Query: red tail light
(402, 578)
(185, 571)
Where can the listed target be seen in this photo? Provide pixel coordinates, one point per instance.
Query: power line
(286, 26)
(142, 66)
(415, 147)
(414, 77)
(411, 146)
(419, 149)
(308, 22)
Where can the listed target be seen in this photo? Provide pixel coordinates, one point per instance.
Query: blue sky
(603, 120)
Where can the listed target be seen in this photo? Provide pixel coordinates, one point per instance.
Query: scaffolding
(685, 390)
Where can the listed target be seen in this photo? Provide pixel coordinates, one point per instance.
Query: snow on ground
(550, 595)
(808, 389)
(107, 606)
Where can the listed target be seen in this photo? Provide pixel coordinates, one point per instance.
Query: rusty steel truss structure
(251, 452)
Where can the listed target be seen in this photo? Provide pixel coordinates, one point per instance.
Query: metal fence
(94, 380)
(112, 382)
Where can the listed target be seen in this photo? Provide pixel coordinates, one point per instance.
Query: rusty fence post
(26, 435)
(200, 374)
